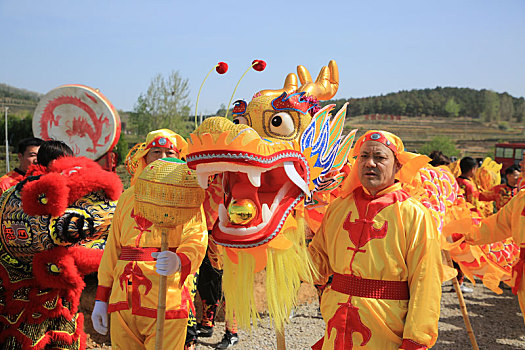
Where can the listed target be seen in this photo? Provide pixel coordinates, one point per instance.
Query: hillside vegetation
(19, 101)
(473, 119)
(470, 136)
(485, 105)
(22, 94)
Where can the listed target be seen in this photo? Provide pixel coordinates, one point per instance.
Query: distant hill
(13, 92)
(19, 101)
(470, 136)
(485, 105)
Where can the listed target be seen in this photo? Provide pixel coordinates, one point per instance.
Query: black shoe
(229, 340)
(204, 331)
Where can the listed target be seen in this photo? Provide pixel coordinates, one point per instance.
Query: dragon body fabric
(492, 262)
(48, 222)
(278, 163)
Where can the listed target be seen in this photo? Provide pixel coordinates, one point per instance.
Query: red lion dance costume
(45, 219)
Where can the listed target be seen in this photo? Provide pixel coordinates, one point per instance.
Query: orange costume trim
(10, 179)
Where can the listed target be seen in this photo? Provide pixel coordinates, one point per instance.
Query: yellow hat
(411, 162)
(165, 138)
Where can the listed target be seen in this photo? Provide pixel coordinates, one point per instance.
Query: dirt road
(496, 319)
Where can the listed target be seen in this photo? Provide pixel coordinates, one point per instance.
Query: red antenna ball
(259, 65)
(222, 67)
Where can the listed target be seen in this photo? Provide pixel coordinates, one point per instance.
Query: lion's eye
(282, 124)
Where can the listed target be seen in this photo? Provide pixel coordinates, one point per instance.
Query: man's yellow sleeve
(317, 251)
(194, 242)
(424, 278)
(112, 249)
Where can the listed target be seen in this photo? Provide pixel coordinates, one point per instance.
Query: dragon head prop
(281, 156)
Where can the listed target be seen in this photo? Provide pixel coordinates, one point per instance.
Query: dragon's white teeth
(202, 179)
(254, 175)
(294, 176)
(223, 213)
(266, 213)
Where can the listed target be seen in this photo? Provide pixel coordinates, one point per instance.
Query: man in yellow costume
(508, 222)
(382, 248)
(131, 266)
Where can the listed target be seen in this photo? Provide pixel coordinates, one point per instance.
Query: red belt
(367, 288)
(517, 270)
(139, 254)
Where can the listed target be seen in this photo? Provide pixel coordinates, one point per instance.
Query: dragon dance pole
(462, 305)
(281, 345)
(161, 306)
(168, 195)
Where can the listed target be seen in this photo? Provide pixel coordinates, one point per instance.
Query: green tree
(18, 128)
(452, 108)
(221, 111)
(121, 149)
(491, 106)
(519, 110)
(164, 105)
(506, 107)
(440, 143)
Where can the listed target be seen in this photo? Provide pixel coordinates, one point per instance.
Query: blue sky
(380, 46)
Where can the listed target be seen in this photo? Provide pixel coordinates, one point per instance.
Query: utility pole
(6, 143)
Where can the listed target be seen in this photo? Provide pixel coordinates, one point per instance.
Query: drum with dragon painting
(83, 118)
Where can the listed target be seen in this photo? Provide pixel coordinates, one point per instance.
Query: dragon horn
(325, 86)
(290, 85)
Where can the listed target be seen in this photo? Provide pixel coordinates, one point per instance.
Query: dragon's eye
(240, 120)
(282, 124)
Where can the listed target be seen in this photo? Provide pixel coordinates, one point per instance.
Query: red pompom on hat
(222, 67)
(259, 65)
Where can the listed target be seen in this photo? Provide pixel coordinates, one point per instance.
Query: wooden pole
(161, 307)
(281, 344)
(6, 144)
(462, 305)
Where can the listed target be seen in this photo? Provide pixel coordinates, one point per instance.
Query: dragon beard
(285, 270)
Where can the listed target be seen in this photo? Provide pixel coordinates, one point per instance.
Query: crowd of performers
(400, 311)
(379, 246)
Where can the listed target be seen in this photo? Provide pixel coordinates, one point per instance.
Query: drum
(80, 116)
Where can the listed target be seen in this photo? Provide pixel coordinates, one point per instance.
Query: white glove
(168, 262)
(99, 317)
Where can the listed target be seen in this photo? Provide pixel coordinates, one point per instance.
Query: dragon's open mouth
(257, 197)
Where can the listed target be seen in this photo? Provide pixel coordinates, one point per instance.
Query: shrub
(440, 143)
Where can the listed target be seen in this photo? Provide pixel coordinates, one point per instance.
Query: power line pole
(6, 143)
